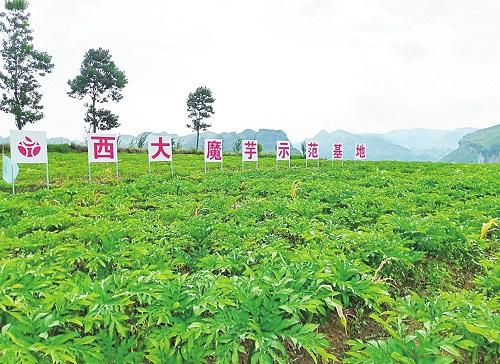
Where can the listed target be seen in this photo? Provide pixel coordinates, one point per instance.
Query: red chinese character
(29, 148)
(337, 151)
(160, 150)
(312, 150)
(214, 150)
(360, 151)
(103, 147)
(250, 148)
(283, 150)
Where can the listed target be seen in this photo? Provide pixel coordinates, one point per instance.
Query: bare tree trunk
(197, 138)
(94, 121)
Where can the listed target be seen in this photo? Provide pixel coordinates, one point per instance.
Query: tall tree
(199, 107)
(101, 81)
(22, 65)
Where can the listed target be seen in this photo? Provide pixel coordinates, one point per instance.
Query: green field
(361, 263)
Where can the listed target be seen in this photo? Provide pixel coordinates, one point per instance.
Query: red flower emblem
(29, 148)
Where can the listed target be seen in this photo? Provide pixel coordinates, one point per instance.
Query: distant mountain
(482, 146)
(377, 147)
(58, 141)
(266, 137)
(433, 142)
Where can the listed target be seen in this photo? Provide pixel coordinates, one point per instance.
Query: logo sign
(283, 149)
(160, 149)
(213, 150)
(338, 151)
(102, 148)
(360, 151)
(28, 146)
(312, 150)
(249, 150)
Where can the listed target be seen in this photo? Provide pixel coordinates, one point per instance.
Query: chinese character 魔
(214, 149)
(104, 147)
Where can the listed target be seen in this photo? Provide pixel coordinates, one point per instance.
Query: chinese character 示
(283, 150)
(338, 152)
(104, 147)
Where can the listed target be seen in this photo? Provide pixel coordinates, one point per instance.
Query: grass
(362, 263)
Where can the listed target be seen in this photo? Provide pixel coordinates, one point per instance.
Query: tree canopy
(22, 66)
(101, 81)
(199, 107)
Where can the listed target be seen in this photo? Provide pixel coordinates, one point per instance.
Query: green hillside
(480, 146)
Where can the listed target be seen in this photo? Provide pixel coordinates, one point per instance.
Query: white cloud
(296, 65)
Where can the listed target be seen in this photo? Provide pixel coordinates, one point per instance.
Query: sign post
(283, 152)
(338, 152)
(312, 152)
(213, 152)
(360, 151)
(249, 152)
(102, 148)
(160, 150)
(28, 147)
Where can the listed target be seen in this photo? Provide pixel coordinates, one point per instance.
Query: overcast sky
(296, 65)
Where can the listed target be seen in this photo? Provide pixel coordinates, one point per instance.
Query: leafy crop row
(365, 263)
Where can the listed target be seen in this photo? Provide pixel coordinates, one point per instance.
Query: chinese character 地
(360, 151)
(104, 147)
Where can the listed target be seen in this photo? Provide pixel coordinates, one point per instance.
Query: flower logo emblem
(29, 148)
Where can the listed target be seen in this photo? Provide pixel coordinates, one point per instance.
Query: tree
(101, 81)
(199, 107)
(237, 145)
(22, 65)
(303, 148)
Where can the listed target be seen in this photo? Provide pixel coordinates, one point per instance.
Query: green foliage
(22, 65)
(237, 145)
(446, 329)
(267, 266)
(200, 107)
(101, 81)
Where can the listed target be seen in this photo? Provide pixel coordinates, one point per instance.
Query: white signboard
(102, 148)
(312, 150)
(283, 150)
(338, 152)
(360, 151)
(160, 149)
(28, 146)
(213, 150)
(249, 150)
